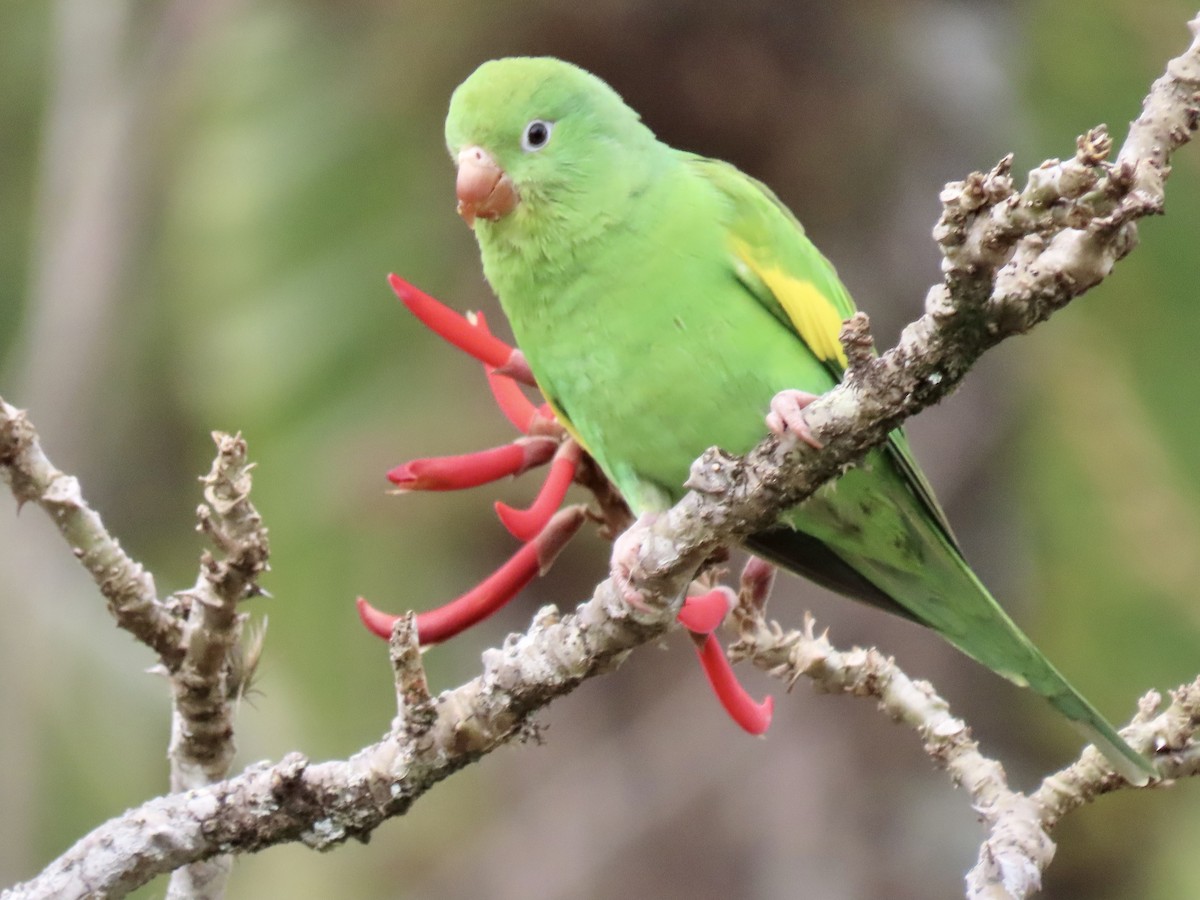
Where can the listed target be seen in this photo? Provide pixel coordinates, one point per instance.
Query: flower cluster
(545, 526)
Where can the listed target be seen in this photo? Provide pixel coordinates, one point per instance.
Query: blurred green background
(198, 206)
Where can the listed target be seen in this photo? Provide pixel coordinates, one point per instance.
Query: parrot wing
(782, 269)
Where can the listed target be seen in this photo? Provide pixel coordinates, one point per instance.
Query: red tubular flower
(517, 368)
(449, 325)
(452, 473)
(491, 594)
(754, 718)
(512, 401)
(523, 524)
(377, 621)
(704, 613)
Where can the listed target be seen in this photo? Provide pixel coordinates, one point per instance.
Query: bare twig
(1019, 845)
(1007, 856)
(127, 586)
(414, 705)
(327, 803)
(215, 671)
(196, 634)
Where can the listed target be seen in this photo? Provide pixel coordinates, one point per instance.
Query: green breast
(647, 341)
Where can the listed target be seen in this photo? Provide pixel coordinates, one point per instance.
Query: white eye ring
(536, 135)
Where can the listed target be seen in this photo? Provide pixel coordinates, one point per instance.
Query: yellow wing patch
(814, 317)
(566, 424)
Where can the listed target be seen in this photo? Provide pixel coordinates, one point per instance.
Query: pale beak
(484, 190)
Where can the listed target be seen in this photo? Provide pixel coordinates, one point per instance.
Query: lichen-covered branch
(1018, 846)
(127, 586)
(324, 804)
(196, 633)
(216, 668)
(1023, 846)
(1008, 856)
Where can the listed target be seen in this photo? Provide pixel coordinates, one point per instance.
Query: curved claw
(787, 416)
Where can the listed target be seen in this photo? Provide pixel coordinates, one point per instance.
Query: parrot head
(538, 139)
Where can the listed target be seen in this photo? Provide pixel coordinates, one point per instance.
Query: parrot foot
(787, 416)
(627, 550)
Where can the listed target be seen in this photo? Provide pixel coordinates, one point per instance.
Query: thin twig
(123, 581)
(215, 670)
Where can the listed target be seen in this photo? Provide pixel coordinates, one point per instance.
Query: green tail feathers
(910, 564)
(1010, 653)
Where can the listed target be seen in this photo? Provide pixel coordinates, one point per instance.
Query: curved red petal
(517, 408)
(495, 591)
(487, 597)
(453, 473)
(377, 622)
(524, 524)
(491, 594)
(451, 326)
(754, 718)
(704, 613)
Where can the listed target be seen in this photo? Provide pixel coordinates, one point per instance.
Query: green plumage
(662, 300)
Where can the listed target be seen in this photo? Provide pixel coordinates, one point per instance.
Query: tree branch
(128, 587)
(196, 634)
(215, 671)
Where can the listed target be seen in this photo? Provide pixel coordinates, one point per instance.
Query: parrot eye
(537, 134)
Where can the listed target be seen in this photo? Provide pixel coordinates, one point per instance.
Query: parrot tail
(1009, 652)
(937, 588)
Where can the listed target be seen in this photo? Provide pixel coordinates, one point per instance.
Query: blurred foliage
(1107, 460)
(281, 158)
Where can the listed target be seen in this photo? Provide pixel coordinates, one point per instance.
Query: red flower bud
(758, 577)
(452, 473)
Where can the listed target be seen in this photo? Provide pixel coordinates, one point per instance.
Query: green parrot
(667, 303)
